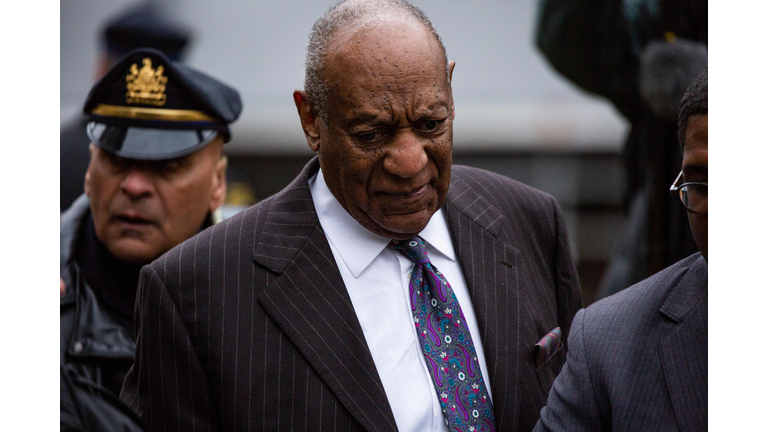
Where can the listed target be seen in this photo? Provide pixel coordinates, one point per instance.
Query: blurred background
(514, 114)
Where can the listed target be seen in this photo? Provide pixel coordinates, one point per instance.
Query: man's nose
(137, 183)
(406, 156)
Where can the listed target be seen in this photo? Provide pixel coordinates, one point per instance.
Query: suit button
(78, 348)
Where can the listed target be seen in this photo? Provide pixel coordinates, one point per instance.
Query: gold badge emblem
(146, 85)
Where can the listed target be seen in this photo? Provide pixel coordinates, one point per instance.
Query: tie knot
(414, 249)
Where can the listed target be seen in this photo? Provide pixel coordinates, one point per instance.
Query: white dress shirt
(376, 278)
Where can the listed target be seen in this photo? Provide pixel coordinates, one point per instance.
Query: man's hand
(62, 287)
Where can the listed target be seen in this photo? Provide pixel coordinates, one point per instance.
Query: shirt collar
(357, 246)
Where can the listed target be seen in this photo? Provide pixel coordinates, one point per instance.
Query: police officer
(156, 175)
(143, 25)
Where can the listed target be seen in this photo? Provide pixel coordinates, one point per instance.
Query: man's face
(695, 169)
(141, 209)
(386, 150)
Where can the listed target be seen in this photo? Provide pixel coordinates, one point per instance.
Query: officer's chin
(135, 250)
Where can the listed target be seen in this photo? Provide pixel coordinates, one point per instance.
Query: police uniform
(146, 107)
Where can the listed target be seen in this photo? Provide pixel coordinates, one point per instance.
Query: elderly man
(155, 176)
(638, 359)
(328, 306)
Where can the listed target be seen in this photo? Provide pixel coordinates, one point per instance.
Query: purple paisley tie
(446, 344)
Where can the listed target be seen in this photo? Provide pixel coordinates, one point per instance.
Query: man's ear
(219, 183)
(451, 65)
(309, 119)
(87, 186)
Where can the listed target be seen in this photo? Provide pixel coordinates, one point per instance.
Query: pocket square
(547, 346)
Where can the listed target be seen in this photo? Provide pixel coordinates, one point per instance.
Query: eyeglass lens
(694, 197)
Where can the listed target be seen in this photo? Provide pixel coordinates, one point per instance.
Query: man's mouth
(410, 194)
(405, 202)
(132, 220)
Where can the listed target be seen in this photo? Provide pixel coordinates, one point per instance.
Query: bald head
(352, 16)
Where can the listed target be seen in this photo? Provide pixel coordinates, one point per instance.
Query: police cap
(149, 107)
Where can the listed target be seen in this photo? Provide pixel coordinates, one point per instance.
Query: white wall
(506, 94)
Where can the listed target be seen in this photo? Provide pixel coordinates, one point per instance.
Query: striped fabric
(248, 325)
(638, 359)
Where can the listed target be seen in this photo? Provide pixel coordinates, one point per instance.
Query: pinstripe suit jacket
(248, 326)
(638, 359)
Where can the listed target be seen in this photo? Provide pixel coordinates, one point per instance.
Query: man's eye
(431, 125)
(368, 136)
(172, 165)
(116, 161)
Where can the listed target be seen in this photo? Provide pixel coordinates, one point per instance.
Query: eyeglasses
(693, 195)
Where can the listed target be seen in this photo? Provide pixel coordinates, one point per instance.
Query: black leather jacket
(95, 351)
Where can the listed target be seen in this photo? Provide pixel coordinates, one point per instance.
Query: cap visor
(148, 144)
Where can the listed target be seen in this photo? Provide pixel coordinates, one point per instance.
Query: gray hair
(694, 102)
(347, 14)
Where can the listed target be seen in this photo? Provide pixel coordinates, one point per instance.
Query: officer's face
(696, 169)
(141, 209)
(386, 150)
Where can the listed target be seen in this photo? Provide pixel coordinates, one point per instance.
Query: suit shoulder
(212, 241)
(510, 196)
(481, 179)
(637, 305)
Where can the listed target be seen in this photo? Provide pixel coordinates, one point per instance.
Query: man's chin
(403, 226)
(135, 251)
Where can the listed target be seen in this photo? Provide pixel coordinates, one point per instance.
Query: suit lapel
(309, 301)
(684, 350)
(490, 269)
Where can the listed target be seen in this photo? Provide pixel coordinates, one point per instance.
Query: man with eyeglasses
(637, 360)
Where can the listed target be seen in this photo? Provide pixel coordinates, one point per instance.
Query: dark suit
(638, 359)
(248, 326)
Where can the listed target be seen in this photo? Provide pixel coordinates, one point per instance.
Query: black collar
(112, 280)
